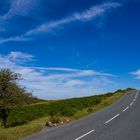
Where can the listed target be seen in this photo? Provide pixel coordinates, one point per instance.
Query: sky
(66, 49)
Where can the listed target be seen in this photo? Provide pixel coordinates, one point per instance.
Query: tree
(11, 94)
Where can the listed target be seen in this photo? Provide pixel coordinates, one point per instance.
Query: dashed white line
(109, 119)
(125, 109)
(85, 134)
(134, 99)
(131, 104)
(112, 118)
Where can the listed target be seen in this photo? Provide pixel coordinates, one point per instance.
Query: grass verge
(108, 101)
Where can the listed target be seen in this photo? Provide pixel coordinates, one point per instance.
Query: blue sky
(68, 49)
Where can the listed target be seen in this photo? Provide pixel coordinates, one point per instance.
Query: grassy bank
(30, 119)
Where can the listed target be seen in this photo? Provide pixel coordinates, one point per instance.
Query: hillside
(32, 118)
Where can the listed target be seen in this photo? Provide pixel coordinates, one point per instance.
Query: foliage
(15, 133)
(54, 119)
(66, 108)
(12, 97)
(11, 94)
(89, 110)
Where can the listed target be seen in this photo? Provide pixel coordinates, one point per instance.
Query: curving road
(121, 121)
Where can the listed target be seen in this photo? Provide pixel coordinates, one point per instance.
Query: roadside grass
(14, 133)
(33, 126)
(104, 103)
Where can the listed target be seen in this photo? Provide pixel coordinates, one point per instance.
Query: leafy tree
(11, 94)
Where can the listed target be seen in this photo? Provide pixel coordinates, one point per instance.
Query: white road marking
(85, 134)
(134, 98)
(112, 118)
(131, 104)
(137, 94)
(125, 109)
(109, 119)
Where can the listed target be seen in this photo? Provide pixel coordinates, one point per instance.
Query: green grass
(31, 119)
(106, 102)
(17, 132)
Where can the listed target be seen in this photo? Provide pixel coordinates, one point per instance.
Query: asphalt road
(121, 121)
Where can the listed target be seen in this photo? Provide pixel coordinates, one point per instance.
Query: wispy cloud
(136, 74)
(19, 57)
(56, 83)
(17, 39)
(19, 7)
(89, 14)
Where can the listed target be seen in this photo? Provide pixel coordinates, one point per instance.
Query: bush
(65, 108)
(54, 120)
(89, 110)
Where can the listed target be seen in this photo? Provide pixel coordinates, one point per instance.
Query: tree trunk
(5, 117)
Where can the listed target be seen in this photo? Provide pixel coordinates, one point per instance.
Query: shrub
(54, 120)
(89, 110)
(66, 108)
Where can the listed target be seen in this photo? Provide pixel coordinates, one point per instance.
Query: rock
(55, 125)
(49, 124)
(67, 120)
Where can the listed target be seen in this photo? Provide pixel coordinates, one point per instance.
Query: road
(120, 121)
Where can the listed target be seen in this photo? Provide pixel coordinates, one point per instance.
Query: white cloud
(89, 14)
(14, 58)
(20, 58)
(19, 7)
(92, 13)
(136, 74)
(96, 11)
(17, 39)
(57, 83)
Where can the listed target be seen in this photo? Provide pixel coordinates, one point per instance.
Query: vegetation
(11, 94)
(14, 133)
(25, 114)
(65, 108)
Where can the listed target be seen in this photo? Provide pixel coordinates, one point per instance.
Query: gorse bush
(54, 120)
(89, 110)
(65, 108)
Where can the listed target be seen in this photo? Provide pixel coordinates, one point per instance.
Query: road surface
(121, 121)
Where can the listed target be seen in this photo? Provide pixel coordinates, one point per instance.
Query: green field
(32, 118)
